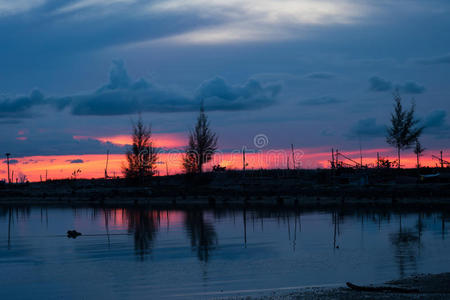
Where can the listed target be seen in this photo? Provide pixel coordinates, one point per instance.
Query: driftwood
(380, 288)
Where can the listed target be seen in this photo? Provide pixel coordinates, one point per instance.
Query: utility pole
(243, 159)
(293, 157)
(360, 154)
(106, 168)
(332, 158)
(337, 158)
(7, 161)
(442, 161)
(378, 160)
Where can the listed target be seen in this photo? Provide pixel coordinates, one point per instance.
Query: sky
(313, 73)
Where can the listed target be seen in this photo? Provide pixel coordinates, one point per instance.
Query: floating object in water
(73, 234)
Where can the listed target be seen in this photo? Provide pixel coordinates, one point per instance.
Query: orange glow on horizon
(160, 140)
(93, 165)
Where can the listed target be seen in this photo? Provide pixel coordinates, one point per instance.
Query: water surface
(145, 253)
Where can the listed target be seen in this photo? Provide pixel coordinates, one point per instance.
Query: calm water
(143, 253)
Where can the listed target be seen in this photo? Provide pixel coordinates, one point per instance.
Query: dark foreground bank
(428, 286)
(262, 187)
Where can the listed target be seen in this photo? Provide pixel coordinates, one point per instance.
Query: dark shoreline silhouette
(256, 187)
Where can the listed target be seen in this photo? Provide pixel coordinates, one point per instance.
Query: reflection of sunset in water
(170, 162)
(117, 219)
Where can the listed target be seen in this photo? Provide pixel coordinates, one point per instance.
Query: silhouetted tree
(141, 158)
(202, 144)
(418, 150)
(403, 131)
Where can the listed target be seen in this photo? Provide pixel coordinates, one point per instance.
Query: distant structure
(336, 163)
(442, 162)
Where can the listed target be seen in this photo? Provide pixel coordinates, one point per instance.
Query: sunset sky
(314, 73)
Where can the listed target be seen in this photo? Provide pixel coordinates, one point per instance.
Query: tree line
(403, 133)
(142, 157)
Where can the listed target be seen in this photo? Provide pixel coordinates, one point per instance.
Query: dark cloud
(217, 94)
(436, 124)
(11, 161)
(122, 96)
(9, 122)
(435, 119)
(378, 84)
(320, 101)
(75, 161)
(320, 75)
(31, 161)
(367, 128)
(411, 88)
(444, 59)
(19, 107)
(59, 144)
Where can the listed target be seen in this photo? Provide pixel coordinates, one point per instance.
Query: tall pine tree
(403, 131)
(202, 145)
(142, 157)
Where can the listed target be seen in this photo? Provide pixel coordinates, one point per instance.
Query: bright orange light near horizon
(160, 140)
(37, 168)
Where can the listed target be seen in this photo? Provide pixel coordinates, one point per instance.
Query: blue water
(175, 254)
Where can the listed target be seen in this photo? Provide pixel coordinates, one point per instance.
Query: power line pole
(7, 161)
(337, 158)
(360, 154)
(293, 157)
(378, 160)
(243, 159)
(106, 167)
(332, 158)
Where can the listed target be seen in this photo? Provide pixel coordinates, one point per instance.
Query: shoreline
(295, 188)
(428, 286)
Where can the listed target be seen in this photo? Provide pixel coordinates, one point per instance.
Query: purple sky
(315, 73)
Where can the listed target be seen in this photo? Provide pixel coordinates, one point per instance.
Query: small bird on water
(73, 234)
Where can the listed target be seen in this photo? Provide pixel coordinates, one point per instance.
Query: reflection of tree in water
(142, 224)
(201, 233)
(406, 243)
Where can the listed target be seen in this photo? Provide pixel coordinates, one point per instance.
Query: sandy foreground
(430, 286)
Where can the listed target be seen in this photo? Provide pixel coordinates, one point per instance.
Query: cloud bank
(122, 96)
(378, 84)
(367, 128)
(75, 161)
(443, 59)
